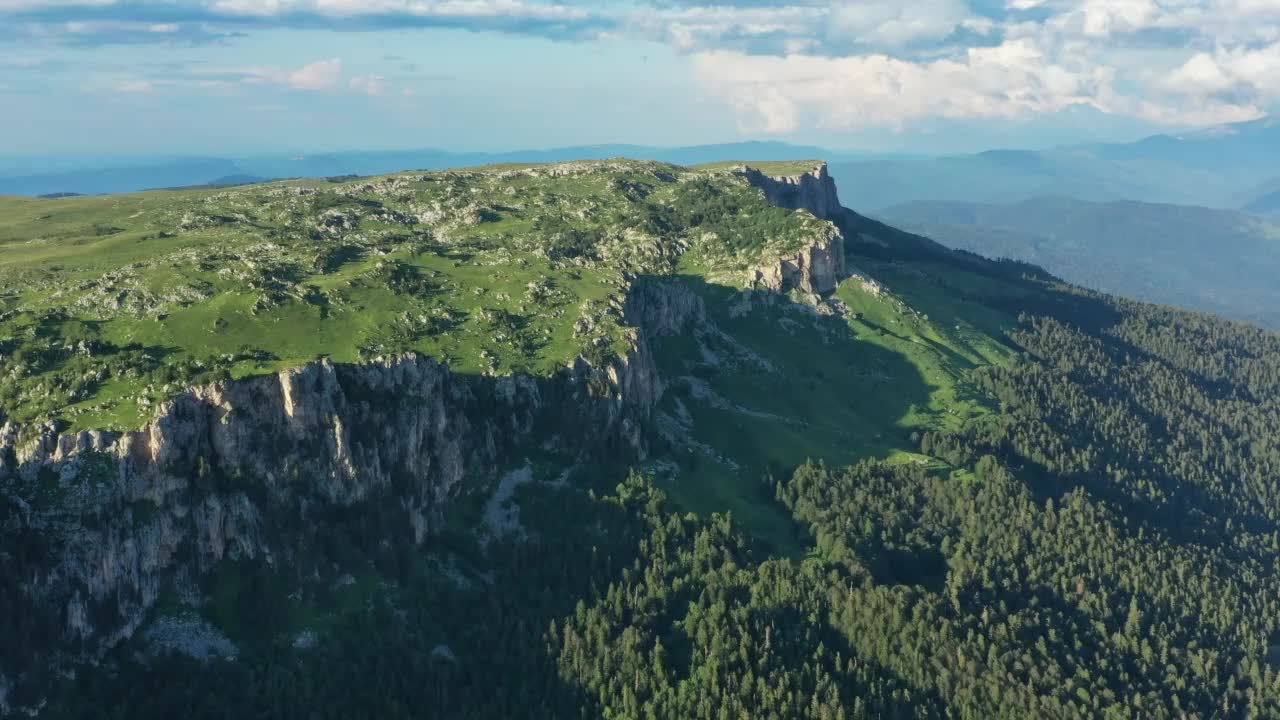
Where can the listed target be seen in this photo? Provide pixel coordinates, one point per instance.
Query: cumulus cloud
(371, 85)
(903, 24)
(322, 75)
(476, 9)
(545, 18)
(779, 94)
(823, 28)
(1239, 75)
(1101, 18)
(21, 5)
(316, 76)
(796, 63)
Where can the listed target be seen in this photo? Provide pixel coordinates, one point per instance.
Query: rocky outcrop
(663, 306)
(815, 268)
(819, 266)
(214, 473)
(249, 469)
(814, 191)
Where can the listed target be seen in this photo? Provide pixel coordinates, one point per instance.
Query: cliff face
(225, 470)
(814, 191)
(818, 267)
(200, 480)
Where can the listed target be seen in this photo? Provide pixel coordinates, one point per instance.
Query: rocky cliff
(247, 469)
(210, 477)
(815, 268)
(814, 191)
(818, 267)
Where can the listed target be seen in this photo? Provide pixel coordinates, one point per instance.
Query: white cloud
(322, 75)
(899, 24)
(135, 86)
(371, 85)
(478, 9)
(1102, 18)
(1251, 75)
(316, 76)
(797, 63)
(781, 94)
(21, 5)
(701, 27)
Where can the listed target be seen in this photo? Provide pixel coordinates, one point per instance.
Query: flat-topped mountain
(493, 270)
(610, 438)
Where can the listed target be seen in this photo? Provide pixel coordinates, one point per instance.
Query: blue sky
(248, 76)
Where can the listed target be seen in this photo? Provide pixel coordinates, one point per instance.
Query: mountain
(611, 439)
(99, 180)
(95, 178)
(1267, 204)
(1246, 147)
(1219, 168)
(1218, 261)
(229, 180)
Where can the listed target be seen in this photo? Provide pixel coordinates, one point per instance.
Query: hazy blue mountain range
(1231, 166)
(1265, 204)
(96, 176)
(1221, 261)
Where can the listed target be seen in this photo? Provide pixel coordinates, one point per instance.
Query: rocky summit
(641, 440)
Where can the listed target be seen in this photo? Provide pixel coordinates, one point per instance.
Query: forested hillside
(873, 479)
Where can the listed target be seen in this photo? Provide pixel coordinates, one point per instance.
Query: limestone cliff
(815, 268)
(248, 469)
(814, 191)
(198, 483)
(819, 266)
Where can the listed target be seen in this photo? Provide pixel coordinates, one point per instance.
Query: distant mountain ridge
(1231, 166)
(1220, 261)
(1268, 204)
(1221, 167)
(187, 172)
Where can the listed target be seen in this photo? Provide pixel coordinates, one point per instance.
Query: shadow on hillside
(764, 385)
(465, 630)
(1172, 507)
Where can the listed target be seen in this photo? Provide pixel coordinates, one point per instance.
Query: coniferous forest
(1106, 547)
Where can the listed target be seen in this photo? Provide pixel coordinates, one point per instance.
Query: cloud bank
(783, 67)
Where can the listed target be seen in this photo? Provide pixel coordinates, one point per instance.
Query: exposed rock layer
(818, 267)
(815, 268)
(814, 191)
(225, 470)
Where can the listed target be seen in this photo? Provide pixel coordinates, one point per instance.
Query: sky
(228, 77)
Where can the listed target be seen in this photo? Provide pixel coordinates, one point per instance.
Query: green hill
(612, 439)
(110, 300)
